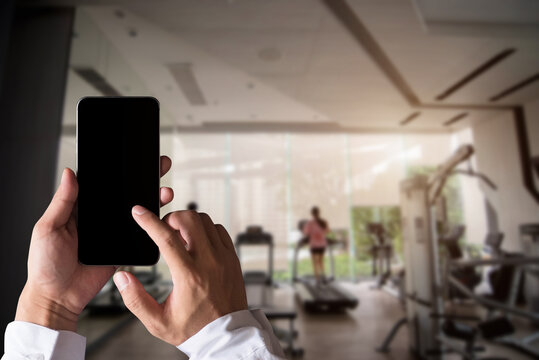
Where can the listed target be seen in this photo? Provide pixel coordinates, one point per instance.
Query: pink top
(316, 234)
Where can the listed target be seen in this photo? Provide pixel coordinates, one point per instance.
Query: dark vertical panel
(493, 224)
(32, 89)
(6, 15)
(525, 152)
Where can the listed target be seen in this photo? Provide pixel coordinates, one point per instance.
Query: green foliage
(388, 216)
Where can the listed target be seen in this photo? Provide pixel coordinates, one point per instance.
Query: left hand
(58, 286)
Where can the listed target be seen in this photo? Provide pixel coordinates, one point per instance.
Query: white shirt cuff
(245, 334)
(24, 340)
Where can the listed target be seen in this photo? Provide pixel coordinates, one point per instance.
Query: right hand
(206, 276)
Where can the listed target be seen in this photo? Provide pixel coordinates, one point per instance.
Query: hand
(206, 276)
(58, 287)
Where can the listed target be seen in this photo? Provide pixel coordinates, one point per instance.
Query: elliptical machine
(381, 251)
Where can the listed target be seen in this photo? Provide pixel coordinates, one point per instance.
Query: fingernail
(121, 280)
(64, 174)
(139, 210)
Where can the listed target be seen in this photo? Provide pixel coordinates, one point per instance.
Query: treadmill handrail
(262, 239)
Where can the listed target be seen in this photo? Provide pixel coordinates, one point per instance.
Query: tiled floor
(353, 335)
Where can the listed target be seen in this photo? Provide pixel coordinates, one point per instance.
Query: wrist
(40, 310)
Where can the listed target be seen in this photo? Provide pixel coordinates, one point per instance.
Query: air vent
(475, 73)
(97, 81)
(519, 86)
(185, 78)
(410, 118)
(455, 119)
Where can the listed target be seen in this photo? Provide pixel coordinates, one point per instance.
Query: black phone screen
(117, 168)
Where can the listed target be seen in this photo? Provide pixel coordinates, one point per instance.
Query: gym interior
(412, 125)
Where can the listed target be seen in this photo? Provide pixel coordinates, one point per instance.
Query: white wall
(497, 157)
(473, 199)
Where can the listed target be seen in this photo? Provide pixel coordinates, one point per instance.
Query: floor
(352, 335)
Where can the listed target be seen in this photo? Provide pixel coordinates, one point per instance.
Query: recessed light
(119, 14)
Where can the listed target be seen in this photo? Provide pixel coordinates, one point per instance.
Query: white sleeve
(24, 340)
(245, 334)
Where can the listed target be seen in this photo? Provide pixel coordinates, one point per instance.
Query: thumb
(138, 301)
(61, 206)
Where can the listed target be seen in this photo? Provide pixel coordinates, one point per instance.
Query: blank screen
(117, 168)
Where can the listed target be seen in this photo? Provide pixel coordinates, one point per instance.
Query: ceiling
(296, 62)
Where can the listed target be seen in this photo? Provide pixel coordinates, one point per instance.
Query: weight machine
(432, 332)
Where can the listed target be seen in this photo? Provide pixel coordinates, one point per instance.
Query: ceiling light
(119, 14)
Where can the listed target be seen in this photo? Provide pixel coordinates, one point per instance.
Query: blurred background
(271, 107)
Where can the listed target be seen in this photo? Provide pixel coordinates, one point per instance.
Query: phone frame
(158, 174)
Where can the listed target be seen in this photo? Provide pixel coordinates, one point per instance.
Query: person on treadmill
(316, 230)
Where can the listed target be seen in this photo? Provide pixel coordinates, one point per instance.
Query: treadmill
(109, 301)
(260, 289)
(321, 297)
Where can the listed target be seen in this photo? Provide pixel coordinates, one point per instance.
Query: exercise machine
(109, 300)
(260, 289)
(529, 235)
(432, 331)
(324, 296)
(381, 251)
(469, 276)
(106, 314)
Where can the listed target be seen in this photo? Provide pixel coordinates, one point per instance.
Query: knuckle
(42, 227)
(196, 280)
(156, 328)
(182, 218)
(191, 215)
(169, 239)
(204, 215)
(215, 265)
(133, 303)
(171, 218)
(176, 216)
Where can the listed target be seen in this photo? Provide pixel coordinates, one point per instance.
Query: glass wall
(318, 177)
(273, 180)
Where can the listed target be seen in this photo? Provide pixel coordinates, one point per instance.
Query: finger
(164, 236)
(138, 301)
(63, 202)
(191, 229)
(211, 232)
(225, 237)
(166, 163)
(166, 195)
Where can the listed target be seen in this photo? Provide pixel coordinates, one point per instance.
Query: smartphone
(118, 167)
